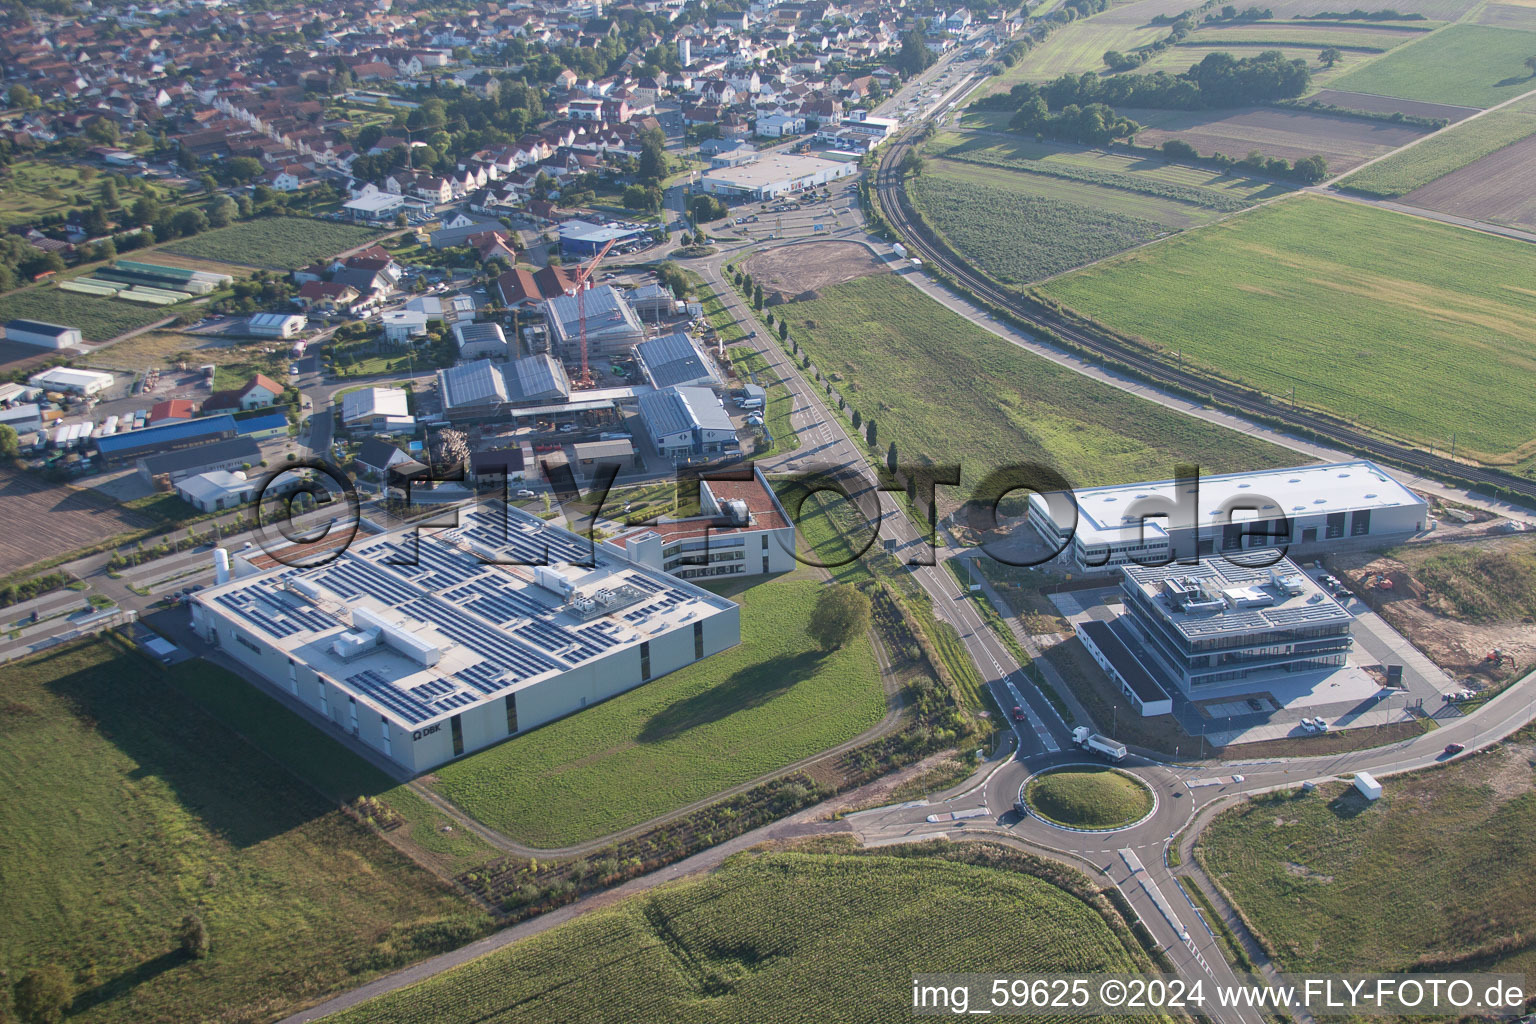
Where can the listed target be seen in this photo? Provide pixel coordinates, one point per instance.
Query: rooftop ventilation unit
(398, 639)
(737, 512)
(354, 644)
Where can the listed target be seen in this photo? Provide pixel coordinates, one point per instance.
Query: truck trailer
(1102, 745)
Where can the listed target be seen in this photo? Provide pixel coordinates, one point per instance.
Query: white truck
(1103, 745)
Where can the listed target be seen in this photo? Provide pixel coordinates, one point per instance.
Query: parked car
(525, 493)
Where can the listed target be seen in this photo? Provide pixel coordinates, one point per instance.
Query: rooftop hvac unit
(1290, 583)
(402, 641)
(309, 588)
(737, 512)
(553, 581)
(354, 644)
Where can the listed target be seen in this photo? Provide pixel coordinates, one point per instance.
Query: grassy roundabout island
(1088, 797)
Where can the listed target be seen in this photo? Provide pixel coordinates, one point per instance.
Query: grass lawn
(277, 243)
(126, 808)
(944, 389)
(1436, 875)
(1407, 325)
(99, 318)
(773, 937)
(1470, 65)
(1436, 157)
(749, 710)
(1091, 798)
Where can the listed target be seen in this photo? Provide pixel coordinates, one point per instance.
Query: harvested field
(1445, 152)
(1293, 134)
(1500, 188)
(159, 348)
(793, 270)
(1471, 65)
(1391, 104)
(1434, 10)
(46, 519)
(1320, 34)
(1516, 16)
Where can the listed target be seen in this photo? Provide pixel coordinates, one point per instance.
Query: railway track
(897, 208)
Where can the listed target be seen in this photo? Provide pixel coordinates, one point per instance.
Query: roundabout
(1087, 797)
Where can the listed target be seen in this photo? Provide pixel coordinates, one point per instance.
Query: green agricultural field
(1450, 150)
(1024, 231)
(739, 714)
(126, 808)
(1406, 325)
(99, 319)
(1075, 48)
(1139, 199)
(276, 243)
(1471, 65)
(1180, 185)
(1434, 876)
(945, 389)
(1089, 798)
(776, 937)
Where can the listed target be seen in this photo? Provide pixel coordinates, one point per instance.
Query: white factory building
(1308, 510)
(774, 175)
(427, 650)
(741, 529)
(684, 422)
(276, 325)
(70, 381)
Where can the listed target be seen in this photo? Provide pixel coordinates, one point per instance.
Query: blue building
(580, 239)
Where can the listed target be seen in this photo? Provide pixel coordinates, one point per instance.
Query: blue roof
(133, 440)
(256, 424)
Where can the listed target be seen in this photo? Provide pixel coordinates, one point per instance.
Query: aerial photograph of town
(766, 511)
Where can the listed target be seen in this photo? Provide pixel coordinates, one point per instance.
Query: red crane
(582, 276)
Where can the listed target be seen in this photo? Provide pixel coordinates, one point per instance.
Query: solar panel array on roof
(479, 382)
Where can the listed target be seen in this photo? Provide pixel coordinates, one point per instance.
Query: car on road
(1452, 749)
(525, 493)
(567, 428)
(1018, 713)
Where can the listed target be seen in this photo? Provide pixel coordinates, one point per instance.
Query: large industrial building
(1306, 509)
(774, 175)
(426, 646)
(612, 326)
(582, 239)
(741, 529)
(676, 361)
(1217, 621)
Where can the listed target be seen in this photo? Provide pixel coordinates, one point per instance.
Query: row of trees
(1308, 170)
(1092, 125)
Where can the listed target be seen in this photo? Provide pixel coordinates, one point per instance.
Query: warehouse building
(237, 453)
(484, 632)
(1217, 621)
(218, 490)
(483, 389)
(276, 325)
(70, 381)
(166, 437)
(774, 175)
(675, 361)
(1308, 509)
(43, 335)
(612, 326)
(741, 529)
(684, 422)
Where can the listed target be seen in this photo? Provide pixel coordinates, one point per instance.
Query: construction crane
(582, 276)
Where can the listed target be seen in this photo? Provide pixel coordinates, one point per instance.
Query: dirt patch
(1420, 612)
(1302, 871)
(791, 270)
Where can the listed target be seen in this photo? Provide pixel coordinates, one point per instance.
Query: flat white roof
(1104, 513)
(434, 626)
(773, 170)
(70, 377)
(374, 202)
(374, 402)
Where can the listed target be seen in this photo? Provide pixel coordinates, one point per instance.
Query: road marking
(973, 812)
